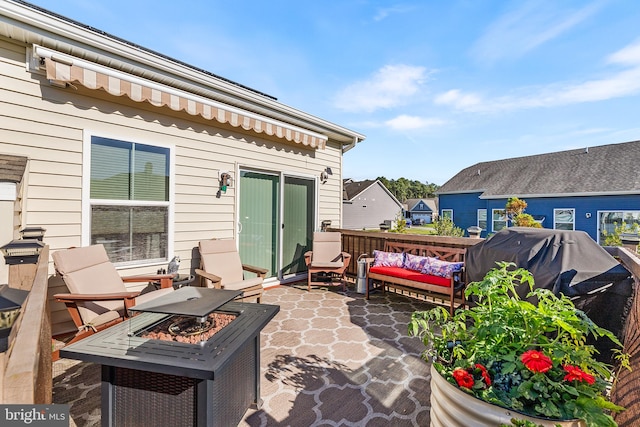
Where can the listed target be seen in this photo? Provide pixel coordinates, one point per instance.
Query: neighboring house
(148, 155)
(588, 189)
(367, 204)
(421, 209)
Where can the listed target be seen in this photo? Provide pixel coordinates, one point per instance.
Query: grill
(188, 358)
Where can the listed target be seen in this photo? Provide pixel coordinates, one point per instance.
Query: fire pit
(189, 358)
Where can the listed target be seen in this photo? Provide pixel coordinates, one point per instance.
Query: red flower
(485, 374)
(536, 361)
(463, 378)
(576, 374)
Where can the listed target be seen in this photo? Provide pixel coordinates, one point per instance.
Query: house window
(447, 213)
(616, 222)
(564, 219)
(498, 219)
(482, 218)
(129, 200)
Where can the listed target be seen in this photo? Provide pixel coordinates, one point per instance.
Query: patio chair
(98, 297)
(221, 268)
(326, 262)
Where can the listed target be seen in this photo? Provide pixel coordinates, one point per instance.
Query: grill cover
(567, 262)
(570, 262)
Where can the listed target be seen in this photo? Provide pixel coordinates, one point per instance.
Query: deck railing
(365, 242)
(626, 391)
(25, 368)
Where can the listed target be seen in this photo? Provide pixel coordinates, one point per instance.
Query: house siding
(369, 209)
(49, 126)
(465, 207)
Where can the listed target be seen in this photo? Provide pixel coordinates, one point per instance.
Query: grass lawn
(420, 229)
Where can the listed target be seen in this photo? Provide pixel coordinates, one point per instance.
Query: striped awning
(63, 68)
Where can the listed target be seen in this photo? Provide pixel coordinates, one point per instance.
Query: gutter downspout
(356, 140)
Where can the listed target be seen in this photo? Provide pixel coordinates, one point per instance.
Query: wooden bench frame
(444, 254)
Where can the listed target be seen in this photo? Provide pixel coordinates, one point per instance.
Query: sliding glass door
(299, 213)
(276, 221)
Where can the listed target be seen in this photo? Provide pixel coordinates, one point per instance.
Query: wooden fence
(364, 242)
(25, 368)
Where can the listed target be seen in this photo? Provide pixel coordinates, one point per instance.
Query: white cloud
(390, 86)
(382, 13)
(405, 122)
(457, 99)
(615, 85)
(628, 55)
(528, 26)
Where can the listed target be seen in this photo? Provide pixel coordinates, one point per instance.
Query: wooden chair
(98, 297)
(221, 268)
(327, 259)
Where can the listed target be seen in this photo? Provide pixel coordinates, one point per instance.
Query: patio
(328, 358)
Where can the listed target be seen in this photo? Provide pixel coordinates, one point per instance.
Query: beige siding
(48, 124)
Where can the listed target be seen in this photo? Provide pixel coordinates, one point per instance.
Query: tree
(515, 213)
(446, 227)
(401, 224)
(403, 189)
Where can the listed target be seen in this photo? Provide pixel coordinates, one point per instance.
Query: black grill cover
(568, 262)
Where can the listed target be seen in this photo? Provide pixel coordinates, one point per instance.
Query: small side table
(179, 281)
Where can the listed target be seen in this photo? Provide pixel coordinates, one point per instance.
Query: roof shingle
(613, 168)
(12, 168)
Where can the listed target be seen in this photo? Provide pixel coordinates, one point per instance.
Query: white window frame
(556, 211)
(486, 223)
(493, 222)
(87, 202)
(599, 214)
(447, 210)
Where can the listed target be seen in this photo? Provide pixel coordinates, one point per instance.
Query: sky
(435, 86)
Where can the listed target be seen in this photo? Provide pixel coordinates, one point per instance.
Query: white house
(367, 204)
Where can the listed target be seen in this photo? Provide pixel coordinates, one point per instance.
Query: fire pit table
(189, 358)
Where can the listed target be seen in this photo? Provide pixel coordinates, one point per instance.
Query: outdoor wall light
(225, 181)
(324, 175)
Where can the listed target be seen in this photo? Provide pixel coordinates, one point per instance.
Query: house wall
(369, 209)
(586, 208)
(465, 208)
(48, 125)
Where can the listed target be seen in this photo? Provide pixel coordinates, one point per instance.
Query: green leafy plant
(515, 212)
(532, 358)
(445, 227)
(400, 224)
(614, 238)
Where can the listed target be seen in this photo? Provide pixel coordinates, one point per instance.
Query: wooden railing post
(26, 366)
(21, 276)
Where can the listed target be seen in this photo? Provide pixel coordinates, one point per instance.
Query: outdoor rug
(328, 359)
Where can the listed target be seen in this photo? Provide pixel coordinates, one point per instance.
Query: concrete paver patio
(328, 359)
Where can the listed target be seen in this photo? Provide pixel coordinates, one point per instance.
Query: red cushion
(416, 276)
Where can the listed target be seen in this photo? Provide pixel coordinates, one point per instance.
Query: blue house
(421, 209)
(590, 189)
